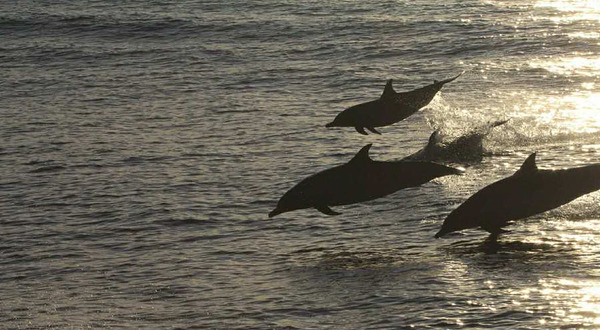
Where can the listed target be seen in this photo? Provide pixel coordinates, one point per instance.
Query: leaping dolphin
(467, 148)
(361, 179)
(527, 192)
(390, 108)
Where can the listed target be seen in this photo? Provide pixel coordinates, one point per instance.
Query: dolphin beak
(275, 212)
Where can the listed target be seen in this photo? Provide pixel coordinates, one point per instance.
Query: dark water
(144, 143)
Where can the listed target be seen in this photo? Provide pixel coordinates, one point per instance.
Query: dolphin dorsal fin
(434, 139)
(362, 155)
(388, 90)
(528, 166)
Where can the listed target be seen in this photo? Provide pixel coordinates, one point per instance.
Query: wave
(186, 222)
(47, 169)
(86, 24)
(466, 148)
(143, 159)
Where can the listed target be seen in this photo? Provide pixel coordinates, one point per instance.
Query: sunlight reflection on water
(585, 35)
(576, 300)
(580, 111)
(573, 10)
(573, 301)
(577, 111)
(571, 5)
(584, 66)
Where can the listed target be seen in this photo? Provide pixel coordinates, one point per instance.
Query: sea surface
(143, 144)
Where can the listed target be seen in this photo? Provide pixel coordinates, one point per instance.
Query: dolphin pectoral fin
(326, 210)
(360, 130)
(372, 129)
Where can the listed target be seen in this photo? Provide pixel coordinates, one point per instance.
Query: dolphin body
(390, 108)
(361, 179)
(467, 148)
(527, 192)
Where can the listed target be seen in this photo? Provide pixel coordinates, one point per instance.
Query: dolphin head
(451, 223)
(443, 231)
(295, 199)
(332, 124)
(343, 119)
(467, 215)
(355, 115)
(278, 210)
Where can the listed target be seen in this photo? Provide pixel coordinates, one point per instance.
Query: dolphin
(388, 109)
(361, 179)
(527, 192)
(467, 148)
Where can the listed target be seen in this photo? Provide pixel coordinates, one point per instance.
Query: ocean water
(145, 142)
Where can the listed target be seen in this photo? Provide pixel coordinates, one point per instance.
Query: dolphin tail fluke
(499, 123)
(487, 129)
(326, 210)
(442, 82)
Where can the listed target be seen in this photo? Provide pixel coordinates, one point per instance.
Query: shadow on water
(491, 246)
(511, 256)
(357, 268)
(355, 260)
(503, 246)
(322, 259)
(357, 278)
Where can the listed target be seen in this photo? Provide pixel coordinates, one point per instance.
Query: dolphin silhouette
(527, 192)
(467, 148)
(360, 180)
(390, 108)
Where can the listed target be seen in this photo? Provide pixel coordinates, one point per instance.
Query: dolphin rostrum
(466, 148)
(527, 192)
(388, 109)
(361, 179)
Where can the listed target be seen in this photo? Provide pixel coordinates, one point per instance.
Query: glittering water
(144, 143)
